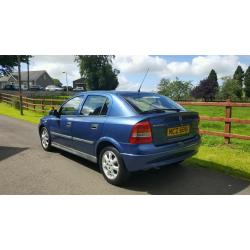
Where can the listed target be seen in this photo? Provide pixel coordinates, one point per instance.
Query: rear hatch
(173, 127)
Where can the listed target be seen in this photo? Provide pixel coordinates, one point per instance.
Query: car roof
(112, 92)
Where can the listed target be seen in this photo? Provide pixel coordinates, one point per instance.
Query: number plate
(182, 130)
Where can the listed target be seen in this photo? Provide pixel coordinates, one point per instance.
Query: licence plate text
(182, 130)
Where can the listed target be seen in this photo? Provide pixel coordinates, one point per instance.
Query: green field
(242, 129)
(232, 159)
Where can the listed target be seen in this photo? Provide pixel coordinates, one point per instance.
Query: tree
(213, 77)
(207, 88)
(230, 88)
(98, 71)
(8, 62)
(247, 82)
(176, 89)
(238, 77)
(57, 82)
(202, 90)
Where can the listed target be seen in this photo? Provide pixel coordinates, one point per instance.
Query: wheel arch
(105, 142)
(42, 125)
(40, 128)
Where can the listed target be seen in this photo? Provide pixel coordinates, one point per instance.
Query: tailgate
(174, 126)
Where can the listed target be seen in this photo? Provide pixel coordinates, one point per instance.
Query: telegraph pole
(66, 75)
(20, 86)
(28, 73)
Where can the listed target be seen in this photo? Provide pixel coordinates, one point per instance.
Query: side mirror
(54, 112)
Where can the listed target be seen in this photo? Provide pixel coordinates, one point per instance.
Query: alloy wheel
(110, 165)
(45, 138)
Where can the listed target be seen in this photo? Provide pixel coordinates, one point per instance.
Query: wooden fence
(35, 104)
(227, 119)
(43, 105)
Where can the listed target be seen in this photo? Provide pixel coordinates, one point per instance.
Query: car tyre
(112, 166)
(45, 139)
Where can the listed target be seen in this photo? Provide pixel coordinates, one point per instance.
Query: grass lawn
(223, 158)
(28, 116)
(232, 159)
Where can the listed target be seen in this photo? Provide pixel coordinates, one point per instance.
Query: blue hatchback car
(122, 131)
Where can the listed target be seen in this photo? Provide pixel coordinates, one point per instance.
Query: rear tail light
(198, 122)
(141, 133)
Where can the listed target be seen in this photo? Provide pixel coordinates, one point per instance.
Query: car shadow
(6, 152)
(78, 159)
(184, 179)
(181, 179)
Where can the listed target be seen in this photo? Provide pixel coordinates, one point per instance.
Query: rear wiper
(172, 109)
(159, 110)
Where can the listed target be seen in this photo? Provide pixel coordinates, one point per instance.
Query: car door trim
(61, 135)
(72, 138)
(82, 140)
(75, 152)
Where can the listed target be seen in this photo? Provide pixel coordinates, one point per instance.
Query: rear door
(61, 127)
(87, 127)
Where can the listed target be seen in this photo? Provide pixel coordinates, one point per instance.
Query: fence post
(27, 103)
(227, 128)
(24, 102)
(42, 102)
(34, 105)
(13, 99)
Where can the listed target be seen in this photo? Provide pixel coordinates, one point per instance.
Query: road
(25, 168)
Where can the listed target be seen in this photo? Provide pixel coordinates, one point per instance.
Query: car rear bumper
(169, 154)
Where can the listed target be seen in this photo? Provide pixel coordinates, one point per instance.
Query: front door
(61, 127)
(60, 130)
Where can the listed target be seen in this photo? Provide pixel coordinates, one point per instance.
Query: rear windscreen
(143, 102)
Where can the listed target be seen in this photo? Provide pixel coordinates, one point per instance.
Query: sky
(133, 67)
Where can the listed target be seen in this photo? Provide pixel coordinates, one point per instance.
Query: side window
(95, 105)
(71, 107)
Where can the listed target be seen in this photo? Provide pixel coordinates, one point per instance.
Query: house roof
(80, 80)
(7, 78)
(4, 78)
(33, 75)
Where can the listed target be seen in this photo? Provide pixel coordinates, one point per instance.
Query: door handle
(68, 124)
(94, 126)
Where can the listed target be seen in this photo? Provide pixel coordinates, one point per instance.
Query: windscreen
(146, 102)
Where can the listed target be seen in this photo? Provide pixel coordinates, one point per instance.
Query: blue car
(122, 131)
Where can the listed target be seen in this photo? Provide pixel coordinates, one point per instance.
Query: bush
(49, 95)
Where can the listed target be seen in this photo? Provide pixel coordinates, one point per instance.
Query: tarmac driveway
(25, 168)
